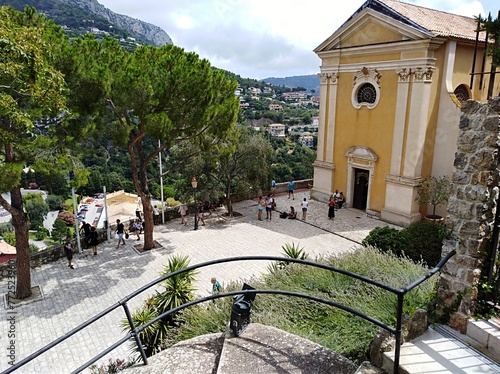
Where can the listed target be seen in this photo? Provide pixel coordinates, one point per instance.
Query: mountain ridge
(81, 16)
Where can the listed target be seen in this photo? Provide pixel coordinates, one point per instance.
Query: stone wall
(471, 208)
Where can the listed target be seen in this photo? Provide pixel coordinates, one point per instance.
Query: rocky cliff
(80, 16)
(135, 27)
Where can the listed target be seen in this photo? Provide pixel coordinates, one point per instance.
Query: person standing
(260, 207)
(269, 207)
(341, 200)
(273, 187)
(331, 208)
(68, 251)
(120, 232)
(291, 186)
(182, 211)
(156, 215)
(94, 240)
(304, 205)
(86, 230)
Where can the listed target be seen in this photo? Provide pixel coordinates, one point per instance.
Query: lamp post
(194, 184)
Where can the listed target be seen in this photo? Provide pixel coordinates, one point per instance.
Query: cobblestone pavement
(97, 282)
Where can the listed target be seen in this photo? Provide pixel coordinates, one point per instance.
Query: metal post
(194, 184)
(107, 226)
(77, 226)
(161, 186)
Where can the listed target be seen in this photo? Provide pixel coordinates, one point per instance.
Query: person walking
(137, 227)
(120, 232)
(260, 208)
(182, 211)
(68, 251)
(94, 240)
(331, 208)
(304, 205)
(291, 186)
(216, 287)
(200, 213)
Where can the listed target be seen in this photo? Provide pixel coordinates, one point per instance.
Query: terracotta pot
(436, 219)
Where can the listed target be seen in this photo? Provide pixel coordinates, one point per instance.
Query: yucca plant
(177, 290)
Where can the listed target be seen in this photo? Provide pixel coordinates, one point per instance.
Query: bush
(421, 241)
(55, 202)
(426, 240)
(5, 227)
(33, 248)
(387, 239)
(41, 234)
(9, 238)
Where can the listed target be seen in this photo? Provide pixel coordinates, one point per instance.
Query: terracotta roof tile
(438, 22)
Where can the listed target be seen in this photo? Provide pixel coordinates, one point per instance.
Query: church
(393, 79)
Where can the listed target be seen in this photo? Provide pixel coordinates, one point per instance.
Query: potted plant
(434, 191)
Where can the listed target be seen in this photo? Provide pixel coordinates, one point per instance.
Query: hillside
(83, 16)
(309, 82)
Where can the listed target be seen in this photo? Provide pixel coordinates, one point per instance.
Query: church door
(360, 193)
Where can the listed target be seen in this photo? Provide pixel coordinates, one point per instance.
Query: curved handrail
(135, 331)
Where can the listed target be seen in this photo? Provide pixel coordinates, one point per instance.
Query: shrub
(421, 241)
(387, 239)
(426, 240)
(33, 248)
(40, 234)
(67, 217)
(55, 202)
(5, 227)
(10, 238)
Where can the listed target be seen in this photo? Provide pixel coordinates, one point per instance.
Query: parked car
(84, 207)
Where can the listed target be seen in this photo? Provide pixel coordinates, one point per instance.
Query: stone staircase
(264, 350)
(258, 350)
(444, 350)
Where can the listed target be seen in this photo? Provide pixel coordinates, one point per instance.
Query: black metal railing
(135, 331)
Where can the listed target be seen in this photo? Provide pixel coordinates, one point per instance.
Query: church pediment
(361, 153)
(369, 27)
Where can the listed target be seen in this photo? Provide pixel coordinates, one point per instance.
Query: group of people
(269, 204)
(334, 203)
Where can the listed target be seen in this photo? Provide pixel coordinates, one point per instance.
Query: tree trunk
(20, 223)
(228, 199)
(148, 222)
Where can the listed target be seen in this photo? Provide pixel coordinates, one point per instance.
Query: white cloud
(261, 38)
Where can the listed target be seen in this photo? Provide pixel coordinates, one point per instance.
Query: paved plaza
(97, 282)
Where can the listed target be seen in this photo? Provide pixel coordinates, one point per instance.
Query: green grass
(331, 327)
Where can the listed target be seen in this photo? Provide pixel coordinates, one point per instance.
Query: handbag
(126, 235)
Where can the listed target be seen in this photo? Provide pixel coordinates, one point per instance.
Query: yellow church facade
(392, 80)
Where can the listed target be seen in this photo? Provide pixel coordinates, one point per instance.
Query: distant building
(276, 130)
(275, 107)
(307, 141)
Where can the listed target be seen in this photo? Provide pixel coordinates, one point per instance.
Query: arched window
(367, 94)
(462, 93)
(366, 88)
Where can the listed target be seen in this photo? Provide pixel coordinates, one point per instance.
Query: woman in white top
(304, 205)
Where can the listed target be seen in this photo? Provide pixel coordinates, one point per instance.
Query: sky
(263, 38)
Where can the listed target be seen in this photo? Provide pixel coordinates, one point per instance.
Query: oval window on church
(367, 94)
(462, 93)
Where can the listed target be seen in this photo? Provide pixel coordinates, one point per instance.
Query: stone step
(487, 336)
(438, 351)
(197, 355)
(264, 349)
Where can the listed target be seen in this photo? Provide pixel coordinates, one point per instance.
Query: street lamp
(194, 184)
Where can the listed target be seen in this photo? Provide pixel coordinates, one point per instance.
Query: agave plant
(291, 251)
